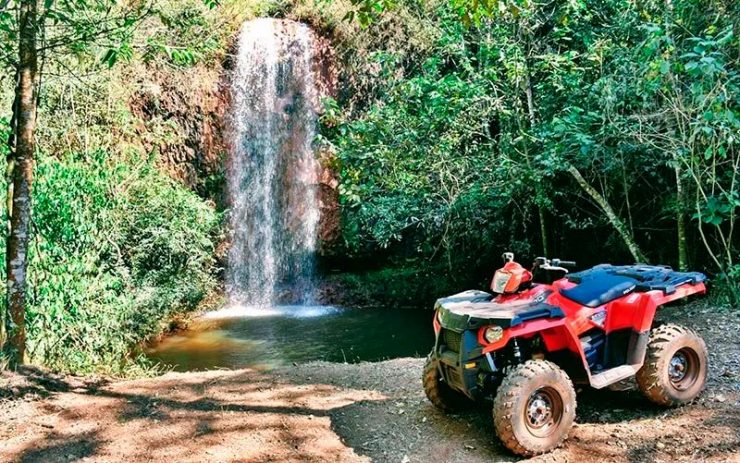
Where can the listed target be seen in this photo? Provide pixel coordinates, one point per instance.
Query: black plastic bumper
(460, 365)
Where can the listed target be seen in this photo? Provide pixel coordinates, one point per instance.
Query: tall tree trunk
(538, 188)
(683, 263)
(20, 175)
(610, 214)
(4, 313)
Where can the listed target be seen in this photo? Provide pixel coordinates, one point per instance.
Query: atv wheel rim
(543, 412)
(683, 368)
(677, 368)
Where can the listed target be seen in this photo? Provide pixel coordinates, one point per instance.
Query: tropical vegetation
(595, 131)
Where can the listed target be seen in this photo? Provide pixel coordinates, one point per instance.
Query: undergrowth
(117, 248)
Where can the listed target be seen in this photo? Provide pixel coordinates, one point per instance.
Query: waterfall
(272, 170)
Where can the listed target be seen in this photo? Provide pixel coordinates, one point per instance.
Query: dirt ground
(324, 412)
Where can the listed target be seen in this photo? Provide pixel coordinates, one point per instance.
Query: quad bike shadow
(615, 405)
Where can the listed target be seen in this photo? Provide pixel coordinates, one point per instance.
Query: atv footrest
(613, 375)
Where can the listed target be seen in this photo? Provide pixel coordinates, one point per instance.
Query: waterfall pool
(265, 338)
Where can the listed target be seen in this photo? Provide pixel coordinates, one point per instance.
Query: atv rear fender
(637, 311)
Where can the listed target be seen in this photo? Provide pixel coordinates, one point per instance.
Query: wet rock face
(325, 67)
(326, 77)
(180, 119)
(330, 219)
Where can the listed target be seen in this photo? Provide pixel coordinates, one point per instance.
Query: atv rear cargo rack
(645, 277)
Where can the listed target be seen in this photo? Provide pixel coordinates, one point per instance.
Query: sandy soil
(321, 412)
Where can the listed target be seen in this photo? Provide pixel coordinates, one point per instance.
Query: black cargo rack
(647, 277)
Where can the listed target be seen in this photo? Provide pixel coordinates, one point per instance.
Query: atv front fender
(557, 335)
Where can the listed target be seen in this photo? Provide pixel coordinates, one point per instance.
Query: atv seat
(600, 289)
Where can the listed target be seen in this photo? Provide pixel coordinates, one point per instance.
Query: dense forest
(597, 131)
(603, 131)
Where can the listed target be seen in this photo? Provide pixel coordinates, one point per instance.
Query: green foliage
(452, 160)
(726, 288)
(187, 33)
(423, 161)
(368, 11)
(4, 134)
(107, 29)
(398, 287)
(117, 249)
(78, 29)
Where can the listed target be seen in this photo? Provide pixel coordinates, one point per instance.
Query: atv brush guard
(525, 344)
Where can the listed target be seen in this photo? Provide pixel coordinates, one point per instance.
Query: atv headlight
(493, 333)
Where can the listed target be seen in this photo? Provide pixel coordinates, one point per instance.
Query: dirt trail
(320, 412)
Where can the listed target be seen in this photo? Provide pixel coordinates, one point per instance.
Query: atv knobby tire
(516, 408)
(675, 368)
(439, 393)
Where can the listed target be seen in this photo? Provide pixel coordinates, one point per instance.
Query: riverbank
(320, 411)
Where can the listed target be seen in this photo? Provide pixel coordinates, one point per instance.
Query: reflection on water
(290, 311)
(263, 338)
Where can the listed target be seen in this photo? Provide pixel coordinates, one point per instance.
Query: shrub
(117, 247)
(727, 288)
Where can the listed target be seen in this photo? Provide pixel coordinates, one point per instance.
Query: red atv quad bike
(526, 344)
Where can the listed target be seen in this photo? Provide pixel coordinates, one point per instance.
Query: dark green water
(242, 337)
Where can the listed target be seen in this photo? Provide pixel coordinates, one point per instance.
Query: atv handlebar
(545, 262)
(552, 265)
(563, 263)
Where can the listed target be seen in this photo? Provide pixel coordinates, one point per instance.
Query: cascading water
(280, 71)
(272, 172)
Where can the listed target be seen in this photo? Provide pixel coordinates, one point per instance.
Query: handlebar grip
(567, 263)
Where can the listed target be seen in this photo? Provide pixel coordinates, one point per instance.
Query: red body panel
(510, 277)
